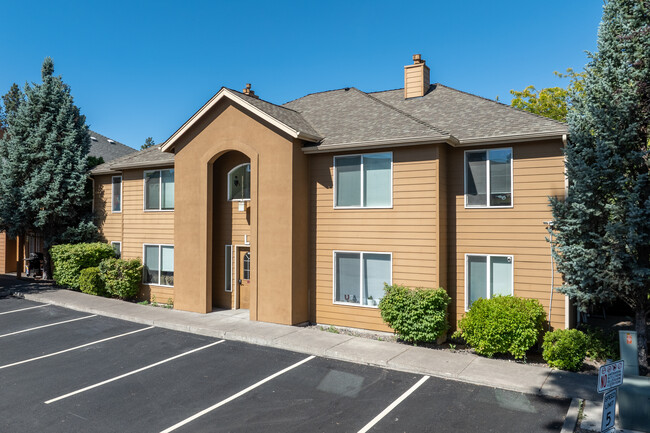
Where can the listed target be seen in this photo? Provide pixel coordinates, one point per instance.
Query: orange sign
(628, 338)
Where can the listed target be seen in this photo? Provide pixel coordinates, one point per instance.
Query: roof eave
(505, 139)
(226, 93)
(378, 144)
(147, 164)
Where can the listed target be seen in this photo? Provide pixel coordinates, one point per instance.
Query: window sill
(355, 304)
(363, 207)
(154, 284)
(159, 210)
(489, 207)
(239, 199)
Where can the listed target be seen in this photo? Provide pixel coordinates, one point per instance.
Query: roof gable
(285, 119)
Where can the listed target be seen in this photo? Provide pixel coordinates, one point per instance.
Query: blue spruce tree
(602, 228)
(43, 168)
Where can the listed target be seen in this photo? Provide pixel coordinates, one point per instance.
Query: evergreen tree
(43, 166)
(602, 227)
(148, 143)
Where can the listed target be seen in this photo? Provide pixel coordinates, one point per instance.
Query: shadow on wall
(100, 211)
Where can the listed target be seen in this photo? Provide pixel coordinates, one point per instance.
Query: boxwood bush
(503, 324)
(416, 315)
(121, 277)
(565, 349)
(69, 259)
(91, 282)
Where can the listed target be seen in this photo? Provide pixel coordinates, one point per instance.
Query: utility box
(629, 352)
(634, 404)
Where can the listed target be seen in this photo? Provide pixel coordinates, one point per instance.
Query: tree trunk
(47, 261)
(642, 339)
(20, 264)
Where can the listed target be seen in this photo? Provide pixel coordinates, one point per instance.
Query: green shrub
(601, 344)
(565, 349)
(68, 260)
(503, 324)
(121, 277)
(416, 315)
(90, 282)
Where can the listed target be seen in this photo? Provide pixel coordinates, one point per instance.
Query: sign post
(610, 377)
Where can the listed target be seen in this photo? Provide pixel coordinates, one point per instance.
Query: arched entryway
(231, 231)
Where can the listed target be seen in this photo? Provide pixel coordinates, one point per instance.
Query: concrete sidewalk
(235, 325)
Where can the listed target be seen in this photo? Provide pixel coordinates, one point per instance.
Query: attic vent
(111, 141)
(416, 78)
(249, 92)
(93, 138)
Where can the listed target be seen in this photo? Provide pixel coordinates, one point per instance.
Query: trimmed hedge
(90, 282)
(416, 315)
(565, 349)
(68, 260)
(503, 324)
(121, 277)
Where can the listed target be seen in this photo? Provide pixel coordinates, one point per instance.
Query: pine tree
(148, 143)
(43, 169)
(602, 228)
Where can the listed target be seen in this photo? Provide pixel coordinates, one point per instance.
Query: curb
(571, 418)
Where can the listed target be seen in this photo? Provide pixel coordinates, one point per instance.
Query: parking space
(104, 375)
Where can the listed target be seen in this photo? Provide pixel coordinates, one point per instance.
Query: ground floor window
(487, 276)
(359, 277)
(228, 269)
(117, 247)
(158, 265)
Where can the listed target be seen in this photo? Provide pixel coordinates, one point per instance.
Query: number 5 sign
(609, 411)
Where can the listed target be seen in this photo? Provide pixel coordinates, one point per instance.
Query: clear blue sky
(141, 68)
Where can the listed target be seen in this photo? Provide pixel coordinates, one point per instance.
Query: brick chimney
(249, 92)
(416, 78)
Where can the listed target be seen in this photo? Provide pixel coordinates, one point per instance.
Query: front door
(244, 267)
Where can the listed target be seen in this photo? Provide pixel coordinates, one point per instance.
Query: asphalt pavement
(66, 370)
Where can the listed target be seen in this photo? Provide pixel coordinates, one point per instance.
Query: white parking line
(393, 405)
(23, 309)
(234, 396)
(79, 391)
(47, 326)
(74, 348)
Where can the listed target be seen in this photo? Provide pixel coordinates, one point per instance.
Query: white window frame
(487, 180)
(488, 274)
(228, 182)
(228, 272)
(113, 243)
(159, 264)
(144, 191)
(362, 183)
(113, 193)
(361, 276)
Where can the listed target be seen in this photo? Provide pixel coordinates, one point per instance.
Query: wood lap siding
(538, 172)
(3, 252)
(408, 231)
(109, 223)
(133, 226)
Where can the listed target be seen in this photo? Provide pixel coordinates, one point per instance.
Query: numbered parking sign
(609, 411)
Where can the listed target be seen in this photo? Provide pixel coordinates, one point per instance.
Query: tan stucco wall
(274, 284)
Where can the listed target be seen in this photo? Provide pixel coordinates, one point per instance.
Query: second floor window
(363, 181)
(488, 178)
(239, 183)
(159, 189)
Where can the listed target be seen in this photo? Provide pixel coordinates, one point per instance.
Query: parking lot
(63, 371)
